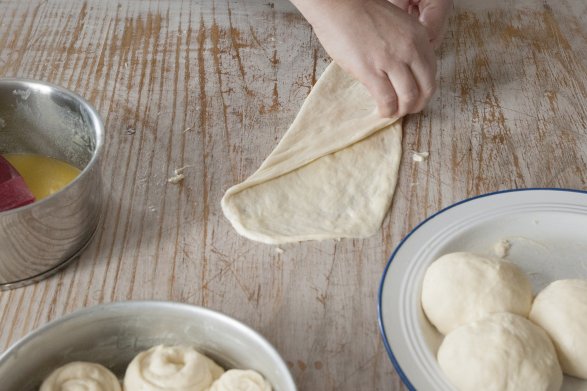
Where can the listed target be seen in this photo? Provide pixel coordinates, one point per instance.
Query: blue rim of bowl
(392, 357)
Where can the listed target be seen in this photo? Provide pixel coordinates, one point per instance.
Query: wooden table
(212, 86)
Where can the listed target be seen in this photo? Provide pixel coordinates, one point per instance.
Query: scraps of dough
(331, 176)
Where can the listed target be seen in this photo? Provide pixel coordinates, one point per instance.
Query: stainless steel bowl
(37, 239)
(112, 334)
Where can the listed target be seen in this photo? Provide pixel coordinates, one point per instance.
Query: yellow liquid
(43, 175)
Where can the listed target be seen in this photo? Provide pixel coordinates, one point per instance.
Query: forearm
(313, 10)
(381, 45)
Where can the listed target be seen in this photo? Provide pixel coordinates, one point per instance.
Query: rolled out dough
(331, 176)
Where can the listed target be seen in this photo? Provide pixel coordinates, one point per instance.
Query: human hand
(433, 14)
(381, 45)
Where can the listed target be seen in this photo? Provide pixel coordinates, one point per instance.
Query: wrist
(315, 11)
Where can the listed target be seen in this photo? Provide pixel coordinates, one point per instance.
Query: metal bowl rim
(150, 304)
(97, 125)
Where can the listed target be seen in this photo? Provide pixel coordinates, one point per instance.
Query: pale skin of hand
(385, 44)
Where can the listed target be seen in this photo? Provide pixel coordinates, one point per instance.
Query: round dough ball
(502, 352)
(79, 375)
(561, 310)
(171, 368)
(461, 287)
(241, 380)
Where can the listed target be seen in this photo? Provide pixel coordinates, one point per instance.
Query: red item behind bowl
(13, 190)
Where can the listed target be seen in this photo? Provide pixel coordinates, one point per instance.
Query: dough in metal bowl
(171, 368)
(80, 375)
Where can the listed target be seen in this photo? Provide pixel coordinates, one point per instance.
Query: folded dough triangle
(331, 176)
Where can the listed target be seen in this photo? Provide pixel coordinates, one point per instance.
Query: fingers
(383, 92)
(434, 17)
(424, 71)
(403, 4)
(407, 90)
(403, 90)
(393, 58)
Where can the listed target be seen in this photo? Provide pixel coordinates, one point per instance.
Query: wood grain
(212, 86)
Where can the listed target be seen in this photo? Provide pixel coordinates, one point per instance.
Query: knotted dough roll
(241, 380)
(171, 368)
(81, 376)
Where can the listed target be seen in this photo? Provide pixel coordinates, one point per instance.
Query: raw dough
(561, 310)
(240, 380)
(502, 248)
(502, 352)
(462, 287)
(171, 368)
(79, 375)
(332, 175)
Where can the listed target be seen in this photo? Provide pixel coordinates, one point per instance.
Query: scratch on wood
(216, 51)
(179, 172)
(81, 21)
(123, 51)
(565, 53)
(17, 63)
(4, 37)
(100, 64)
(314, 65)
(201, 40)
(235, 40)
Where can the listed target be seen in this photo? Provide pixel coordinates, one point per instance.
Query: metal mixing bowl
(112, 334)
(37, 239)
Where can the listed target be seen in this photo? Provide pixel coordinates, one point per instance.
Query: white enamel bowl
(547, 229)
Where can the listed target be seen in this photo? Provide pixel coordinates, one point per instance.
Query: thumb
(434, 17)
(402, 4)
